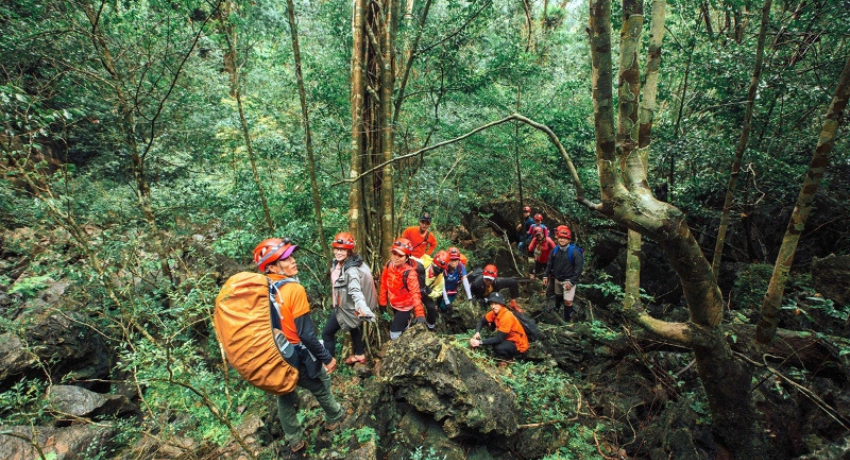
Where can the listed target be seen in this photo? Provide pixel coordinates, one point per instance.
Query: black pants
(329, 336)
(430, 312)
(401, 321)
(505, 350)
(539, 268)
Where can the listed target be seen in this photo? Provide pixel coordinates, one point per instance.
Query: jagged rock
(368, 451)
(831, 277)
(837, 451)
(15, 359)
(438, 378)
(73, 400)
(74, 350)
(416, 431)
(76, 442)
(565, 346)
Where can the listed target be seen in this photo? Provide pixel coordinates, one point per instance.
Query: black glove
(419, 320)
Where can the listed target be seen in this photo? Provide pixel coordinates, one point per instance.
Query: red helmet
(537, 231)
(403, 246)
(526, 209)
(538, 217)
(442, 260)
(454, 253)
(272, 250)
(564, 232)
(490, 272)
(343, 240)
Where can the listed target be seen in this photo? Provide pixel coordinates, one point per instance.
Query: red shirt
(422, 244)
(546, 247)
(393, 290)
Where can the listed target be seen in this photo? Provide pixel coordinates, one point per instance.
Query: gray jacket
(354, 293)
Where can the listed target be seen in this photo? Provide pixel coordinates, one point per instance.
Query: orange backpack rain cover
(244, 330)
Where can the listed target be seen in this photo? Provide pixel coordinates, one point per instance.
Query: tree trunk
(358, 90)
(820, 158)
(628, 201)
(742, 142)
(387, 135)
(314, 185)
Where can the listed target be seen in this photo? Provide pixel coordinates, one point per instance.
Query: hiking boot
(298, 446)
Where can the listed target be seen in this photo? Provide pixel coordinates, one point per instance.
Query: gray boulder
(79, 402)
(438, 378)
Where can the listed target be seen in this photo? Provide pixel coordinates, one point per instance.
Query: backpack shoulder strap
(555, 250)
(274, 290)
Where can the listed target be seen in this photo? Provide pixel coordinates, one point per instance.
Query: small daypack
(244, 315)
(530, 327)
(420, 273)
(570, 249)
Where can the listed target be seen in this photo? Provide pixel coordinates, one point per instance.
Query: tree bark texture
(387, 133)
(742, 141)
(358, 145)
(305, 119)
(820, 158)
(726, 381)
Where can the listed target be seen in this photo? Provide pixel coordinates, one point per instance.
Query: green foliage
(543, 394)
(751, 285)
(29, 287)
(430, 454)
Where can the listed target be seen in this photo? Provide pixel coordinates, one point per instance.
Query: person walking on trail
(538, 223)
(400, 289)
(420, 237)
(563, 270)
(353, 296)
(490, 282)
(541, 247)
(274, 258)
(455, 275)
(434, 289)
(510, 340)
(523, 230)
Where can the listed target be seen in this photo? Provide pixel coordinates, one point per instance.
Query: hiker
(489, 282)
(420, 237)
(454, 275)
(353, 297)
(523, 230)
(540, 246)
(434, 287)
(274, 258)
(538, 223)
(400, 289)
(510, 339)
(563, 269)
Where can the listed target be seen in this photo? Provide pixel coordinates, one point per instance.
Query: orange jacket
(392, 288)
(507, 323)
(421, 244)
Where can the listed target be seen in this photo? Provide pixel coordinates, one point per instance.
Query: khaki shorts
(561, 289)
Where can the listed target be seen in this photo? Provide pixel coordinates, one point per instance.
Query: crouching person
(274, 258)
(510, 339)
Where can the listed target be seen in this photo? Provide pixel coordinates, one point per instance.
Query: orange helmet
(564, 232)
(343, 240)
(454, 253)
(538, 217)
(272, 250)
(403, 246)
(490, 272)
(442, 260)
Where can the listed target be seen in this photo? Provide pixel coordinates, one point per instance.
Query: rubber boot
(568, 313)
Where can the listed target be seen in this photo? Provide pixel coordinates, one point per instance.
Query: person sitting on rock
(540, 246)
(420, 237)
(510, 340)
(454, 275)
(400, 289)
(489, 282)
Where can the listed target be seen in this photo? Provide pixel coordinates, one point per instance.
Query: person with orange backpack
(510, 339)
(353, 297)
(420, 237)
(564, 270)
(274, 258)
(400, 289)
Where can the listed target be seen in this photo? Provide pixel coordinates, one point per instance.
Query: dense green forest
(698, 150)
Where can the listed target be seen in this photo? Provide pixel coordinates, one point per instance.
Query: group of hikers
(415, 284)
